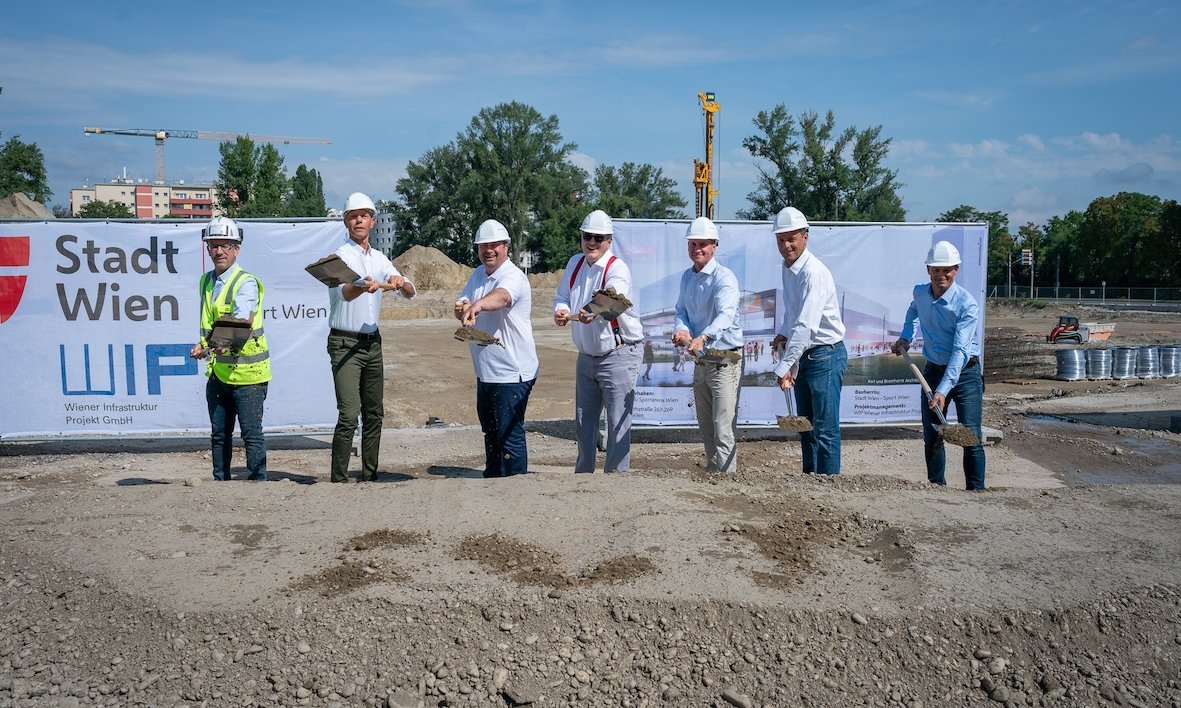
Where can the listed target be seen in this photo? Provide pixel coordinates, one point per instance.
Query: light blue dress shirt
(708, 305)
(949, 326)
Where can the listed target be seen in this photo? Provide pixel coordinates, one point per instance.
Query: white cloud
(51, 68)
(1144, 43)
(373, 176)
(586, 162)
(981, 149)
(910, 150)
(1033, 198)
(1132, 174)
(1033, 141)
(972, 101)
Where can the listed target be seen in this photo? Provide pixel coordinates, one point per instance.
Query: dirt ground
(130, 578)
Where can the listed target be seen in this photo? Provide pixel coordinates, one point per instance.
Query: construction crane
(162, 135)
(703, 172)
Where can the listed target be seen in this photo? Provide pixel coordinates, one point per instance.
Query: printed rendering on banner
(875, 266)
(97, 320)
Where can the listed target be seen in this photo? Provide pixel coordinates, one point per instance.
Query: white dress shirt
(598, 337)
(362, 314)
(811, 313)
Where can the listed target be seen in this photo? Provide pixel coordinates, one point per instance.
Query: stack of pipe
(1098, 364)
(1123, 363)
(1072, 364)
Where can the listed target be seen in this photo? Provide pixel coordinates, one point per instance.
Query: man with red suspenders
(609, 351)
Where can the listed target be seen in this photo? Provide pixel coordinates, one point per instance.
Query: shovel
(792, 422)
(955, 434)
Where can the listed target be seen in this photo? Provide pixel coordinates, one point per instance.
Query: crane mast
(162, 135)
(703, 172)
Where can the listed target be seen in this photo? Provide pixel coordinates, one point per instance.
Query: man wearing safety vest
(237, 385)
(609, 350)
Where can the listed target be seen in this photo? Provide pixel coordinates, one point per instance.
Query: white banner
(875, 266)
(97, 319)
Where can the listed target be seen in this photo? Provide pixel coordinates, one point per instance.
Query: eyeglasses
(597, 238)
(221, 247)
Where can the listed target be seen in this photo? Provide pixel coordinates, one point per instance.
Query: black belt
(972, 361)
(359, 336)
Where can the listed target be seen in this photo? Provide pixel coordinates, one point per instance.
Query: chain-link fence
(1088, 292)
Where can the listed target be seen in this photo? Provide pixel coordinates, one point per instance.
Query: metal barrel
(1123, 363)
(1147, 362)
(1099, 364)
(1072, 364)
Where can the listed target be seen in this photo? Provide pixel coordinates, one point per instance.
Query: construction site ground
(131, 578)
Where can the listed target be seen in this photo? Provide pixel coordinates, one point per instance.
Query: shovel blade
(957, 435)
(794, 423)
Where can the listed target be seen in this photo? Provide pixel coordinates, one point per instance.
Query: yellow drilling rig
(703, 172)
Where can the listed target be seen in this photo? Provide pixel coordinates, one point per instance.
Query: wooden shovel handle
(926, 386)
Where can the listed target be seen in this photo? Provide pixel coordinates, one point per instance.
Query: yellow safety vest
(251, 364)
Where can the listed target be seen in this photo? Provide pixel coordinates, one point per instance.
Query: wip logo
(14, 252)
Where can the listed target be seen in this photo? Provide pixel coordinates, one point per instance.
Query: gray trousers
(606, 381)
(715, 394)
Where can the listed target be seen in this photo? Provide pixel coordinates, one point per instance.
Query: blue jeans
(968, 395)
(818, 398)
(501, 409)
(245, 403)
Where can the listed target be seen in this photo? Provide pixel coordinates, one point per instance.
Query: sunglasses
(597, 238)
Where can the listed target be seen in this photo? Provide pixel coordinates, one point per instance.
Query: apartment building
(151, 200)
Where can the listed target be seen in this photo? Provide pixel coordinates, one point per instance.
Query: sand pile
(546, 281)
(430, 269)
(18, 205)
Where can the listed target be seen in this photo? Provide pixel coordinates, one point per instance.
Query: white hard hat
(358, 200)
(221, 228)
(597, 222)
(702, 229)
(943, 254)
(790, 219)
(491, 231)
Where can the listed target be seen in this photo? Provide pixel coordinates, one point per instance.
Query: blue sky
(1031, 108)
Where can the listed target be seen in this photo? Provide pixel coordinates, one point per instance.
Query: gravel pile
(72, 641)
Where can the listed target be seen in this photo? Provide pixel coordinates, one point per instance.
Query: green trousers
(357, 373)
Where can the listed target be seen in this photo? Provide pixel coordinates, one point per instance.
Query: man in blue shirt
(707, 318)
(948, 316)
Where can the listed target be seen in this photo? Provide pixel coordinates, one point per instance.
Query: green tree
(306, 197)
(1030, 236)
(22, 169)
(1001, 245)
(100, 209)
(1168, 246)
(433, 208)
(61, 211)
(1116, 240)
(823, 173)
(636, 192)
(1060, 249)
(251, 179)
(510, 164)
(270, 185)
